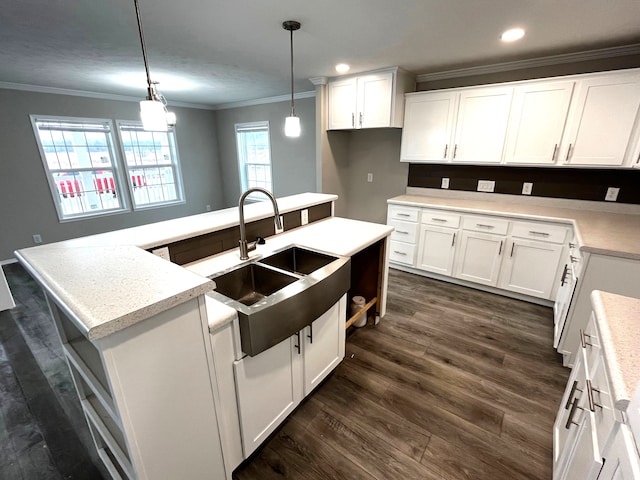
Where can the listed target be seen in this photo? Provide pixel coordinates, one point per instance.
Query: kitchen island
(136, 330)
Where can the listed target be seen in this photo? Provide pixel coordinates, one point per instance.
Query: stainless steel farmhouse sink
(280, 294)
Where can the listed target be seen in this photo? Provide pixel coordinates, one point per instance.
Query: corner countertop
(618, 322)
(108, 282)
(614, 234)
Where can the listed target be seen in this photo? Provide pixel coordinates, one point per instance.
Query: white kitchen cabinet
(270, 385)
(373, 100)
(437, 249)
(403, 239)
(481, 126)
(621, 461)
(536, 123)
(602, 121)
(584, 458)
(479, 257)
(429, 120)
(6, 299)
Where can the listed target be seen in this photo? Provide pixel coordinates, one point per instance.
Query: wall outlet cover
(486, 185)
(445, 182)
(369, 177)
(37, 239)
(612, 194)
(527, 187)
(304, 216)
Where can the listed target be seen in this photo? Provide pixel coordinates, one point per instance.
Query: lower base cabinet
(271, 384)
(479, 257)
(436, 249)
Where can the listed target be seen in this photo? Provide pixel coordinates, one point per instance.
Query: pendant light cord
(144, 53)
(293, 111)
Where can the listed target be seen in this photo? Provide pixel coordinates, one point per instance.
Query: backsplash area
(557, 182)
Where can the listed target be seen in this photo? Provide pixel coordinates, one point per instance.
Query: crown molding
(98, 95)
(262, 101)
(599, 54)
(319, 80)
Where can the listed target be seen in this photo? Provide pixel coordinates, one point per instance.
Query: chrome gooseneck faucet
(246, 247)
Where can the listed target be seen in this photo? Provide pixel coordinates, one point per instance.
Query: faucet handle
(260, 241)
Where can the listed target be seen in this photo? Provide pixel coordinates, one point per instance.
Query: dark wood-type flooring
(454, 383)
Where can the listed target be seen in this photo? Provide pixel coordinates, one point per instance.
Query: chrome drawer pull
(574, 259)
(590, 396)
(574, 389)
(572, 245)
(403, 214)
(446, 147)
(571, 414)
(583, 340)
(439, 219)
(399, 253)
(544, 234)
(403, 233)
(455, 150)
(484, 225)
(563, 277)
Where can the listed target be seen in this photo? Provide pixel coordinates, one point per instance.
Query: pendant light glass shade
(153, 115)
(292, 126)
(292, 122)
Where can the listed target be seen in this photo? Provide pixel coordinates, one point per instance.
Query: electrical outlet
(445, 182)
(527, 187)
(304, 216)
(280, 230)
(208, 207)
(486, 185)
(612, 194)
(37, 239)
(369, 177)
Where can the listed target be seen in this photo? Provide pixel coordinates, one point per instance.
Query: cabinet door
(429, 119)
(342, 104)
(374, 100)
(564, 435)
(584, 461)
(537, 121)
(479, 256)
(481, 127)
(530, 267)
(622, 462)
(436, 249)
(324, 345)
(268, 387)
(602, 120)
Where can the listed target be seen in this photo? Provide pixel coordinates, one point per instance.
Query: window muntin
(80, 164)
(254, 156)
(153, 169)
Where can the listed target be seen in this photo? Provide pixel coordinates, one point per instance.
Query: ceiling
(216, 52)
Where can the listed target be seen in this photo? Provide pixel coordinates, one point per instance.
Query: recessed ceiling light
(342, 68)
(512, 35)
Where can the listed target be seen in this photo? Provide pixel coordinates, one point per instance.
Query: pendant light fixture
(153, 110)
(292, 122)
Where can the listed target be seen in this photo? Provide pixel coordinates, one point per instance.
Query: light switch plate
(527, 187)
(612, 194)
(369, 177)
(304, 216)
(445, 182)
(486, 185)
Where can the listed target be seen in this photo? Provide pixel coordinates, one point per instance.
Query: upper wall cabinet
(452, 126)
(374, 100)
(581, 120)
(602, 120)
(537, 120)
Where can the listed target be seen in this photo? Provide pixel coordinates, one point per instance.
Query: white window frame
(242, 156)
(116, 176)
(174, 164)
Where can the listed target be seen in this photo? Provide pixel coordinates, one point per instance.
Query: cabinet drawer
(440, 218)
(485, 224)
(602, 406)
(591, 341)
(540, 232)
(407, 214)
(404, 231)
(402, 252)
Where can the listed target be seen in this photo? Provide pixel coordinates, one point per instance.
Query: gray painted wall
(26, 206)
(293, 160)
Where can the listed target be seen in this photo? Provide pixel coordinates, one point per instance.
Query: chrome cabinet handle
(574, 388)
(353, 119)
(563, 278)
(361, 119)
(298, 345)
(542, 234)
(571, 414)
(583, 339)
(455, 150)
(453, 241)
(310, 336)
(484, 225)
(399, 253)
(439, 219)
(590, 396)
(555, 150)
(513, 245)
(572, 245)
(403, 233)
(446, 147)
(574, 259)
(500, 249)
(566, 160)
(403, 214)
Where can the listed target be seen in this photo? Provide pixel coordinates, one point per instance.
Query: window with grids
(254, 155)
(81, 165)
(153, 169)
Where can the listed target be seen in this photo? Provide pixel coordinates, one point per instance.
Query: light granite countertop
(618, 322)
(614, 234)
